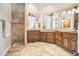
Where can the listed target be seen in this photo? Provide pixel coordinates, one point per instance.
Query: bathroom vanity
(70, 41)
(64, 39)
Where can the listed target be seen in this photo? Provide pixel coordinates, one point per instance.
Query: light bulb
(73, 9)
(72, 12)
(78, 8)
(69, 12)
(77, 11)
(32, 17)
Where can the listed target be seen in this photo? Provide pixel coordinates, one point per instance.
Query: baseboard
(5, 51)
(76, 54)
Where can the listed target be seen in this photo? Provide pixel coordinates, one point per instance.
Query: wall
(78, 34)
(5, 14)
(18, 10)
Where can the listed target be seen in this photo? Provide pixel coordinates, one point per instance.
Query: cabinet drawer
(58, 42)
(66, 35)
(50, 33)
(73, 37)
(50, 37)
(34, 36)
(50, 40)
(59, 33)
(33, 32)
(43, 33)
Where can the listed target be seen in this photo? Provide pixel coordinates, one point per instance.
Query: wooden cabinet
(73, 45)
(65, 43)
(73, 42)
(58, 38)
(50, 37)
(66, 40)
(43, 36)
(70, 41)
(33, 36)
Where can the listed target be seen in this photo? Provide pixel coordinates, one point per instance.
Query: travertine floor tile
(37, 49)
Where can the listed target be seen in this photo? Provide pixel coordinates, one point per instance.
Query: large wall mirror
(32, 22)
(47, 22)
(54, 21)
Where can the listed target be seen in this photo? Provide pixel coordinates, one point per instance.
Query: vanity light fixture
(77, 11)
(78, 8)
(73, 10)
(32, 17)
(69, 12)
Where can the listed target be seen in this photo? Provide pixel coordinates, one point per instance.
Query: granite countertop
(52, 30)
(65, 30)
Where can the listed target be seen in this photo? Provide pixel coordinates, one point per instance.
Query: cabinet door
(59, 43)
(66, 43)
(58, 38)
(33, 36)
(73, 42)
(73, 45)
(43, 37)
(28, 37)
(50, 37)
(66, 40)
(69, 42)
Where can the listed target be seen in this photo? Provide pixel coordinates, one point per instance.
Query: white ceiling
(41, 8)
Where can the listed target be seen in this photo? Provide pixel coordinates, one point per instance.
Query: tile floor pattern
(37, 49)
